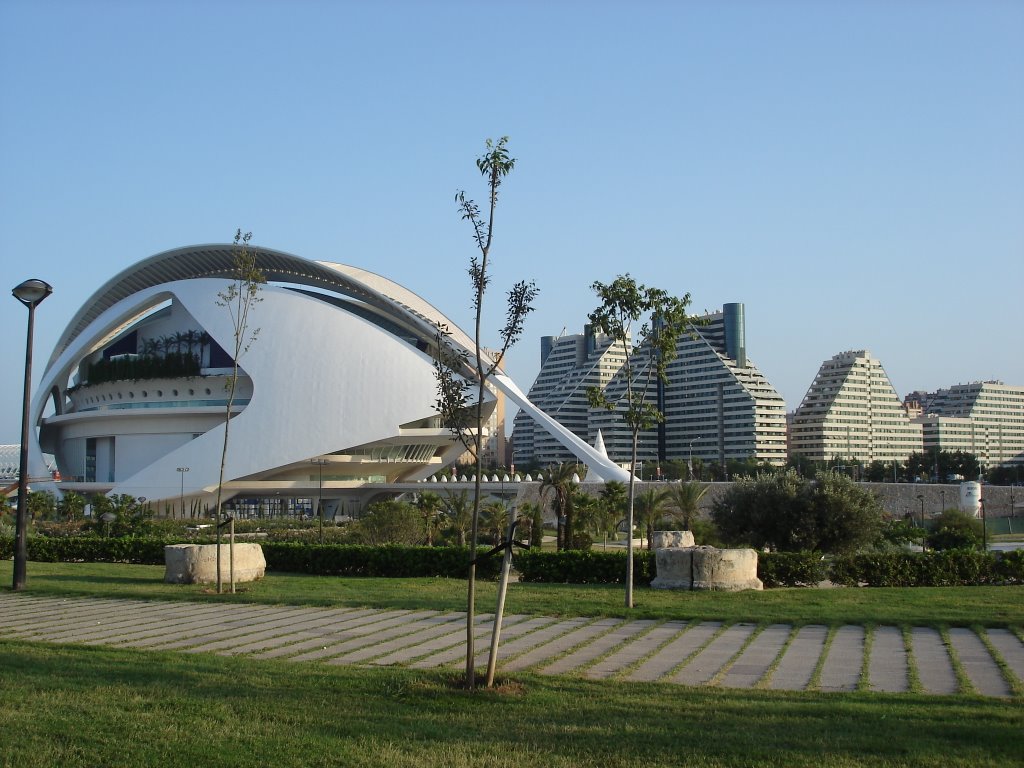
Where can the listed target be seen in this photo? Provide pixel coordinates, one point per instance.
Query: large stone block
(729, 570)
(664, 539)
(197, 563)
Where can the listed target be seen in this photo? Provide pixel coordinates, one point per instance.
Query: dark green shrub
(387, 561)
(957, 567)
(791, 569)
(583, 567)
(954, 529)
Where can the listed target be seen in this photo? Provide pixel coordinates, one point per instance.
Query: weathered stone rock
(664, 539)
(197, 563)
(729, 570)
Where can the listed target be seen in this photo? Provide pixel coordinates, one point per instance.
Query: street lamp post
(984, 528)
(30, 293)
(182, 471)
(320, 495)
(920, 497)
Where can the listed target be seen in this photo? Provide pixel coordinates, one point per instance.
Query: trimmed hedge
(954, 567)
(778, 569)
(90, 549)
(293, 557)
(583, 567)
(791, 569)
(389, 560)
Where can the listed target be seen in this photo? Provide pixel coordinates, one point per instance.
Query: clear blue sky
(852, 171)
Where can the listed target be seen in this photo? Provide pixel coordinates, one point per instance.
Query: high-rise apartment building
(984, 418)
(852, 412)
(570, 365)
(718, 405)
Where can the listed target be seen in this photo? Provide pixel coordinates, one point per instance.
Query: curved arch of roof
(217, 260)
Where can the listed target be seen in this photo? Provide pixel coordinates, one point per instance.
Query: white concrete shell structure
(341, 374)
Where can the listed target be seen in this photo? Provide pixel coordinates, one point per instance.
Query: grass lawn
(935, 606)
(85, 706)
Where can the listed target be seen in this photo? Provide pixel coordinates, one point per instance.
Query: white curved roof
(217, 260)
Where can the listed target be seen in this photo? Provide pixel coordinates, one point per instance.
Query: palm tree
(558, 480)
(685, 498)
(459, 511)
(429, 504)
(494, 517)
(649, 506)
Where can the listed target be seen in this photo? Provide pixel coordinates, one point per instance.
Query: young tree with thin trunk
(459, 372)
(239, 298)
(662, 318)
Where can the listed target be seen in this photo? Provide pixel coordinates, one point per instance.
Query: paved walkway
(775, 656)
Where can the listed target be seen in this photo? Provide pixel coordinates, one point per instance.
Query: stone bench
(197, 563)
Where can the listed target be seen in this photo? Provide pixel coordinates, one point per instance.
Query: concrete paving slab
(529, 641)
(794, 670)
(232, 627)
(714, 657)
(332, 632)
(57, 628)
(355, 635)
(65, 619)
(841, 670)
(232, 645)
(753, 663)
(887, 664)
(689, 638)
(558, 646)
(637, 648)
(455, 636)
(110, 626)
(1010, 648)
(203, 624)
(977, 664)
(932, 662)
(600, 646)
(482, 633)
(153, 633)
(408, 635)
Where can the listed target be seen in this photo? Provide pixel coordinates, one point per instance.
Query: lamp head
(31, 292)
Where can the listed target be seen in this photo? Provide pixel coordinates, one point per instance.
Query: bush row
(90, 549)
(293, 557)
(794, 569)
(388, 560)
(583, 567)
(781, 569)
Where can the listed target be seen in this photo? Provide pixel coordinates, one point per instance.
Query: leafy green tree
(660, 319)
(939, 465)
(239, 298)
(785, 512)
(390, 522)
(457, 375)
(685, 499)
(955, 530)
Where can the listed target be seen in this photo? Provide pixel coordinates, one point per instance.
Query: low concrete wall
(197, 563)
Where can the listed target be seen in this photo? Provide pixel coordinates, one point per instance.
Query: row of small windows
(104, 398)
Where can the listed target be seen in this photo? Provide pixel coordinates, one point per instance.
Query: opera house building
(336, 395)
